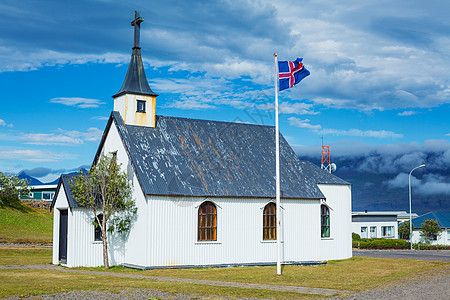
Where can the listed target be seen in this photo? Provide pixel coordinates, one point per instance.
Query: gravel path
(434, 285)
(436, 255)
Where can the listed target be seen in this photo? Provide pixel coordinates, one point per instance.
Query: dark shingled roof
(443, 218)
(135, 82)
(190, 157)
(65, 181)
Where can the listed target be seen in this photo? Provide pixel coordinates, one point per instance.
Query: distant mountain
(373, 191)
(31, 180)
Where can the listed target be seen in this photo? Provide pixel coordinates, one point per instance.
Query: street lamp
(410, 218)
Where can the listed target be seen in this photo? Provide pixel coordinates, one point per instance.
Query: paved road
(439, 255)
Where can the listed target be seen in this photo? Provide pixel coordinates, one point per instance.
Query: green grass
(355, 274)
(25, 255)
(25, 225)
(37, 282)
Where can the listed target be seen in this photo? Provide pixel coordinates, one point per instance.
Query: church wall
(136, 250)
(339, 245)
(61, 203)
(172, 236)
(83, 250)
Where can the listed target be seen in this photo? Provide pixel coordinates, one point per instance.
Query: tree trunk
(105, 244)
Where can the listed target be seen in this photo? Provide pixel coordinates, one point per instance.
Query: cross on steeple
(137, 26)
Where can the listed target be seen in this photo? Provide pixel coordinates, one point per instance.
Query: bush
(381, 244)
(423, 246)
(356, 237)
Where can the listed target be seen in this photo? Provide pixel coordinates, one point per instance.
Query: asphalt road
(438, 255)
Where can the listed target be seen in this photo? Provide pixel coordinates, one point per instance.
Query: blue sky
(379, 78)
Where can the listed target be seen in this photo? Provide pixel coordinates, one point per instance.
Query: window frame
(269, 228)
(208, 218)
(325, 221)
(384, 231)
(97, 229)
(366, 231)
(142, 108)
(375, 232)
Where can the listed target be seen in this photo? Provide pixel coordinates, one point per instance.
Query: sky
(379, 84)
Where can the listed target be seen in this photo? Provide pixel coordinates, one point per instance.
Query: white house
(375, 224)
(443, 218)
(205, 193)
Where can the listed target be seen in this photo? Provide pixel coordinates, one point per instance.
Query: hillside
(26, 225)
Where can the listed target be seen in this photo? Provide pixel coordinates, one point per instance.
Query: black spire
(135, 82)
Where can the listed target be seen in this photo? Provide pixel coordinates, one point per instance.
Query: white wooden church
(205, 192)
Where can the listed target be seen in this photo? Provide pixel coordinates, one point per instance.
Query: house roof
(135, 81)
(443, 218)
(64, 182)
(191, 157)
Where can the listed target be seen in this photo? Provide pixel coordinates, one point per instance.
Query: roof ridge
(214, 121)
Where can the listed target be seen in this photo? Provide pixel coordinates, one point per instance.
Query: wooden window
(140, 106)
(97, 229)
(270, 222)
(207, 222)
(325, 221)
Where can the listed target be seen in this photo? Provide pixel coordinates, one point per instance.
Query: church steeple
(135, 80)
(136, 101)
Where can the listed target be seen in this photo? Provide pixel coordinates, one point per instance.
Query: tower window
(140, 106)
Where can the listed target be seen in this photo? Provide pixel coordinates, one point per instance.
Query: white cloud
(2, 123)
(408, 113)
(35, 155)
(380, 134)
(303, 123)
(12, 59)
(430, 184)
(350, 132)
(77, 102)
(62, 137)
(49, 139)
(101, 118)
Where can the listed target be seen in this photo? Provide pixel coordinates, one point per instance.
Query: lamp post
(410, 215)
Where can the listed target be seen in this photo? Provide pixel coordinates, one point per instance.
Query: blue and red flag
(290, 73)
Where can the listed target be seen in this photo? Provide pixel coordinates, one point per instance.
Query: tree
(430, 230)
(10, 189)
(403, 230)
(106, 190)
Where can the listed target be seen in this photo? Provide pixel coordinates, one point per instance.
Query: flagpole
(277, 169)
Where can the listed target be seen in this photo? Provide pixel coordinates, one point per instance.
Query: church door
(63, 236)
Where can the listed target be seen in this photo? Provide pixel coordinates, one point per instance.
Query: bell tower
(136, 102)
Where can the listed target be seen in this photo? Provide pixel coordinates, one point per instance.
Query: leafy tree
(403, 230)
(10, 189)
(430, 230)
(106, 190)
(356, 237)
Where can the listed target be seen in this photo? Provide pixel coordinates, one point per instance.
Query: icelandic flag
(290, 73)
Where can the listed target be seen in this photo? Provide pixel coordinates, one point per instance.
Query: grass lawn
(355, 274)
(26, 225)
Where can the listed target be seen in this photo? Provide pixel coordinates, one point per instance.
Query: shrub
(423, 246)
(381, 244)
(356, 237)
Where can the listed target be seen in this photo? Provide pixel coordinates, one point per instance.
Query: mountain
(373, 189)
(31, 180)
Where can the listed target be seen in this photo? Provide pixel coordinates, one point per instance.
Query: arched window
(97, 229)
(207, 222)
(325, 221)
(270, 222)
